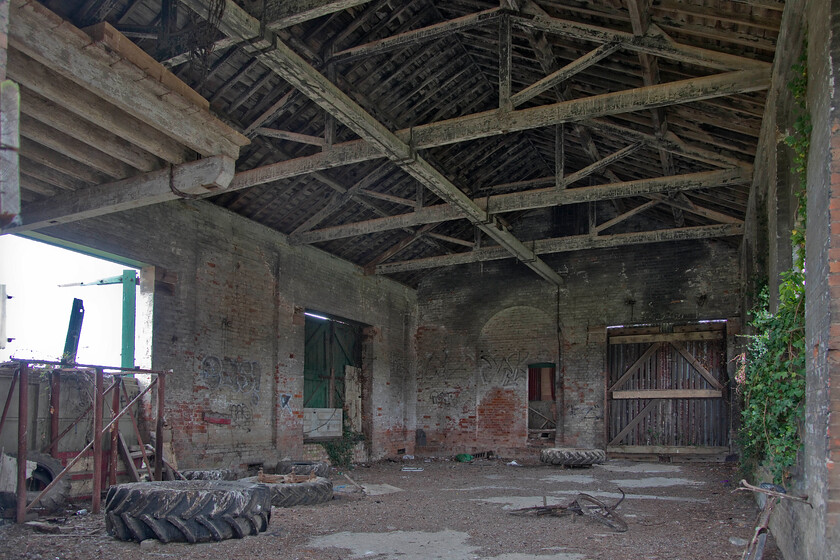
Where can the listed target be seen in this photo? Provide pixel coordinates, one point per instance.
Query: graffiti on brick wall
(509, 370)
(446, 398)
(239, 375)
(587, 411)
(285, 399)
(241, 416)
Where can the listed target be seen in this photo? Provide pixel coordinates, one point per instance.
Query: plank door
(667, 392)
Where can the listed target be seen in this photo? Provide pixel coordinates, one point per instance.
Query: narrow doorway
(542, 406)
(332, 391)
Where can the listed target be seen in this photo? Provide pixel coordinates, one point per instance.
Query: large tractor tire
(572, 457)
(320, 468)
(187, 510)
(46, 471)
(211, 474)
(290, 494)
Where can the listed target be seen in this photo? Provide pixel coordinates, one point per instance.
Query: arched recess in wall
(509, 342)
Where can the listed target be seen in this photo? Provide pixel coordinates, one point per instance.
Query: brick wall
(803, 532)
(228, 319)
(480, 327)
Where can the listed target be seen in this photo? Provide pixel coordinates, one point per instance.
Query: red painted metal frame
(22, 377)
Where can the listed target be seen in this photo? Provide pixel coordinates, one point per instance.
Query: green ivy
(799, 141)
(771, 376)
(340, 451)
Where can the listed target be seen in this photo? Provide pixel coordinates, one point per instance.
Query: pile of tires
(187, 510)
(572, 456)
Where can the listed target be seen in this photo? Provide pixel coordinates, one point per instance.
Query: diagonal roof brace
(315, 86)
(285, 62)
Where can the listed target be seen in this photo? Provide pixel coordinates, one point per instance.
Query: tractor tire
(46, 471)
(310, 493)
(320, 468)
(210, 474)
(187, 510)
(573, 457)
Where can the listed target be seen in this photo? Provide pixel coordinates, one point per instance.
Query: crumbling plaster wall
(479, 326)
(229, 320)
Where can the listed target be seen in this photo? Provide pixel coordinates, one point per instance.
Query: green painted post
(129, 283)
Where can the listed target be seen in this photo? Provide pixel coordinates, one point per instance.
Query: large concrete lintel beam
(205, 176)
(567, 244)
(529, 200)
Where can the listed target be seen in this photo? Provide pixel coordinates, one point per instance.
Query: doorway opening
(542, 403)
(332, 377)
(44, 280)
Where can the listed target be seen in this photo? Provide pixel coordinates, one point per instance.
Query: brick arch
(509, 341)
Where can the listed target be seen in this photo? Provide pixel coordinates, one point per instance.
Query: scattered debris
(412, 469)
(353, 482)
(514, 464)
(464, 458)
(44, 527)
(408, 457)
(585, 505)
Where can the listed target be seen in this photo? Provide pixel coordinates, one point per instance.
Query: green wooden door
(330, 346)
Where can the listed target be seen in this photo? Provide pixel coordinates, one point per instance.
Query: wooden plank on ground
(125, 454)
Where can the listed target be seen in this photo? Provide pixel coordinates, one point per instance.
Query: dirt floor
(461, 511)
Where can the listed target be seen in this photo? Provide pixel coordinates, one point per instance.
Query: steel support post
(115, 431)
(161, 394)
(55, 398)
(98, 401)
(23, 425)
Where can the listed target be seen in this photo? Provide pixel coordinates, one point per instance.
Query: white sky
(38, 314)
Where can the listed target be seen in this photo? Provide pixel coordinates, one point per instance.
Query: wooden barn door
(667, 391)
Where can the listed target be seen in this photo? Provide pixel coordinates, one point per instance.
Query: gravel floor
(458, 511)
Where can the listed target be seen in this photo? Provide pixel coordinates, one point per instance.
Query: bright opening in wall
(42, 281)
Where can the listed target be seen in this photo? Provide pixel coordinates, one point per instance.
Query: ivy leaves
(772, 374)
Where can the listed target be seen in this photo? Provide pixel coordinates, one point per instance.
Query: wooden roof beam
(416, 36)
(568, 244)
(211, 174)
(293, 12)
(555, 78)
(657, 45)
(529, 200)
(308, 81)
(144, 92)
(491, 123)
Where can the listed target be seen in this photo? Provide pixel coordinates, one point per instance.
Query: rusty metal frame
(21, 375)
